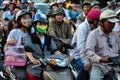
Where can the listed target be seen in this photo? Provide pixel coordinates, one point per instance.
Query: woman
(42, 46)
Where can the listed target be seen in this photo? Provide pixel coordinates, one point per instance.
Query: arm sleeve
(51, 30)
(4, 15)
(90, 48)
(13, 34)
(28, 44)
(53, 46)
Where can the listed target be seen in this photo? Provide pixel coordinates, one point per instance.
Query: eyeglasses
(109, 42)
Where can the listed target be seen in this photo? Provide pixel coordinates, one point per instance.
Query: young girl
(17, 37)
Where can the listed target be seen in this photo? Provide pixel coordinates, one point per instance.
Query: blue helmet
(40, 18)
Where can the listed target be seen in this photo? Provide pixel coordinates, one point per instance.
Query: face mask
(26, 22)
(41, 29)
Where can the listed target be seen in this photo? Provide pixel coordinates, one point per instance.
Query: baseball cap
(109, 15)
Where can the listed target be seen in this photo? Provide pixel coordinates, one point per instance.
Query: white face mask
(26, 22)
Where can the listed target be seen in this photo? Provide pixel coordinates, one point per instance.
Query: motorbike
(112, 74)
(59, 67)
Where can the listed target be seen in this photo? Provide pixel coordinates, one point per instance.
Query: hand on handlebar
(105, 59)
(48, 68)
(35, 61)
(87, 67)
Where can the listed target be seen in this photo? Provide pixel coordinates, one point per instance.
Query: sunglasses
(109, 42)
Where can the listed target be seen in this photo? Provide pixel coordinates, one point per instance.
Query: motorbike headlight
(58, 62)
(62, 63)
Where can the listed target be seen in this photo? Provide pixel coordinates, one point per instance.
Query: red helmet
(93, 14)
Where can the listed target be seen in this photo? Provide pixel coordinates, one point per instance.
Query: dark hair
(16, 7)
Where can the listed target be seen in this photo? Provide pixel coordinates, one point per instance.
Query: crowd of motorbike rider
(94, 37)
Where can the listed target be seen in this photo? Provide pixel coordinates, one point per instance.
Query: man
(79, 39)
(85, 8)
(60, 4)
(60, 30)
(8, 15)
(111, 5)
(95, 5)
(102, 44)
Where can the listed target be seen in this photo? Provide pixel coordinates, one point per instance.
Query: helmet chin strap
(104, 29)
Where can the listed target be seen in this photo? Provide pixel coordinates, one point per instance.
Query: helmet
(30, 1)
(60, 1)
(85, 3)
(110, 15)
(11, 3)
(5, 3)
(31, 8)
(93, 14)
(41, 18)
(95, 3)
(53, 3)
(49, 12)
(59, 11)
(24, 1)
(111, 3)
(21, 13)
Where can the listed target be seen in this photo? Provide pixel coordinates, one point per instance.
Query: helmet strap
(103, 27)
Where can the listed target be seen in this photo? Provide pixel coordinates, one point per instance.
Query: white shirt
(8, 15)
(18, 35)
(80, 38)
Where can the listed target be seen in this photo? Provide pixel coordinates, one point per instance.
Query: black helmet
(111, 4)
(21, 13)
(85, 3)
(11, 3)
(59, 11)
(95, 3)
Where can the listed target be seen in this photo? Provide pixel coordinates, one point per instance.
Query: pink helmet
(94, 14)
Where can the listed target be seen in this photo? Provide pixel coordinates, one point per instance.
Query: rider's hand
(104, 59)
(35, 61)
(65, 41)
(70, 58)
(48, 68)
(87, 67)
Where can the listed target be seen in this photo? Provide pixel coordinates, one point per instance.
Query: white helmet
(109, 15)
(21, 13)
(60, 1)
